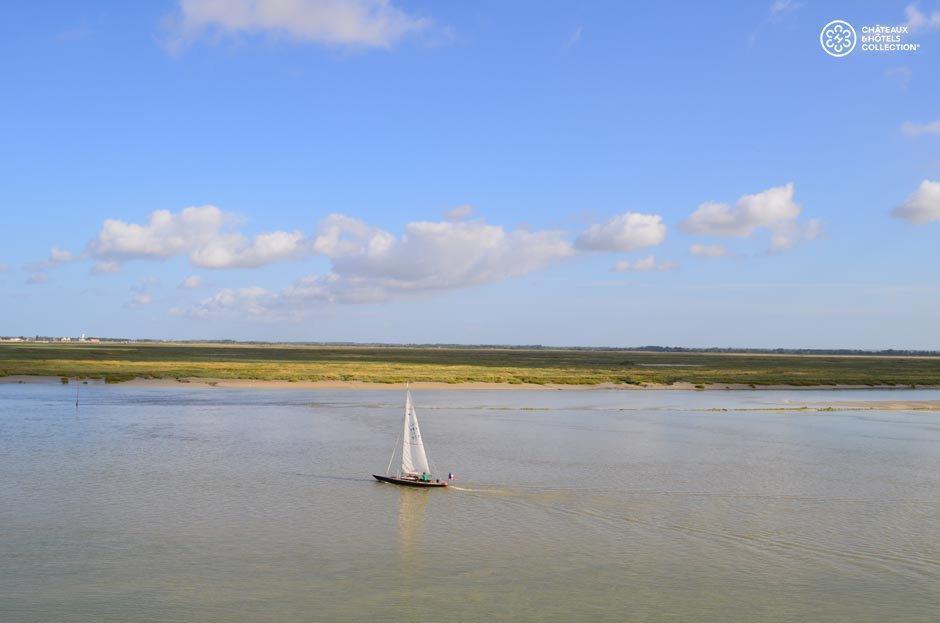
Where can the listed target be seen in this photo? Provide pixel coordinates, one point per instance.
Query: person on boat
(425, 477)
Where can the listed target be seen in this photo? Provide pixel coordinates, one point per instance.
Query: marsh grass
(120, 362)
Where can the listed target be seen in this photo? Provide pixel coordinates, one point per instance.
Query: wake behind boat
(414, 469)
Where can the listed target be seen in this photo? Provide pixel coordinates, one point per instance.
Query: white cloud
(923, 206)
(459, 213)
(624, 232)
(142, 296)
(373, 265)
(712, 218)
(788, 234)
(915, 129)
(708, 250)
(105, 268)
(202, 233)
(763, 209)
(191, 283)
(234, 251)
(646, 264)
(917, 20)
(140, 299)
(237, 301)
(349, 23)
(779, 7)
(56, 256)
(59, 256)
(165, 234)
(37, 278)
(773, 209)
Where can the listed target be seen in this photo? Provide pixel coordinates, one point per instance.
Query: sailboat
(414, 470)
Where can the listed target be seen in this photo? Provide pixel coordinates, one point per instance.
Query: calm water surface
(242, 505)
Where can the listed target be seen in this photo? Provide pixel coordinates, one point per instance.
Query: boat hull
(407, 482)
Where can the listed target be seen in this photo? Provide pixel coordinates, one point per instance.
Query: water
(188, 504)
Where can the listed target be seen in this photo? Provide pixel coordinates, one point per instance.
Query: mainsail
(414, 460)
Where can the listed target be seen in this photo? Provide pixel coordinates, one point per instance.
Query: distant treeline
(654, 349)
(788, 351)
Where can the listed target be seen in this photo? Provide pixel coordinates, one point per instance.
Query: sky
(594, 174)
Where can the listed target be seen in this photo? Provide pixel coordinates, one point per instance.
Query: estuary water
(208, 504)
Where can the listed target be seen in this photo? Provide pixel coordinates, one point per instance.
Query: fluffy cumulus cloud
(646, 264)
(369, 264)
(346, 23)
(788, 234)
(253, 301)
(764, 209)
(712, 251)
(773, 209)
(235, 251)
(166, 234)
(923, 206)
(916, 129)
(56, 257)
(204, 234)
(372, 264)
(625, 232)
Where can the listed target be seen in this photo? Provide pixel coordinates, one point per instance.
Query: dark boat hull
(407, 482)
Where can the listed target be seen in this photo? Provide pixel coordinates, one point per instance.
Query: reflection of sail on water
(412, 504)
(414, 460)
(411, 574)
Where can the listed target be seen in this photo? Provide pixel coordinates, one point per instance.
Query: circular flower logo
(838, 38)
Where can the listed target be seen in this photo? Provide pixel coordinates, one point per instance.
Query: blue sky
(486, 172)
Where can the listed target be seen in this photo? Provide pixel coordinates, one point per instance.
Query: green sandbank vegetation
(116, 362)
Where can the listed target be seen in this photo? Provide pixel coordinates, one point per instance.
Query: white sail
(414, 460)
(418, 456)
(407, 465)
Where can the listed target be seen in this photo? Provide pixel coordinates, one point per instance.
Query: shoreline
(212, 383)
(206, 384)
